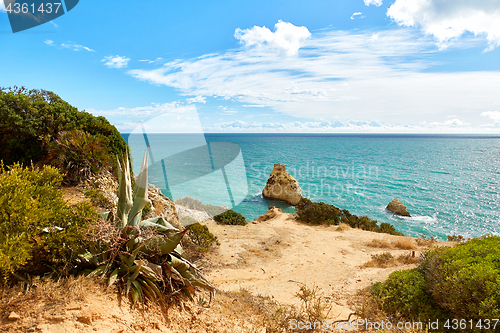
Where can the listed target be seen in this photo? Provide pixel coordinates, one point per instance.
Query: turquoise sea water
(450, 184)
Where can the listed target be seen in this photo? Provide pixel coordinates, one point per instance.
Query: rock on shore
(397, 207)
(282, 186)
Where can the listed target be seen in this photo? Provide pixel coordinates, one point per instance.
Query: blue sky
(423, 66)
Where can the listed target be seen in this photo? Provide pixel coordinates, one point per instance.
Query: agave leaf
(146, 289)
(159, 224)
(155, 288)
(136, 292)
(140, 198)
(113, 277)
(180, 265)
(104, 215)
(170, 242)
(98, 271)
(137, 269)
(127, 260)
(124, 191)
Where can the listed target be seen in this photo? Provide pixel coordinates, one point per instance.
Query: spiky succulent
(143, 256)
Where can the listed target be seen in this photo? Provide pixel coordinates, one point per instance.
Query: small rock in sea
(14, 316)
(282, 186)
(397, 207)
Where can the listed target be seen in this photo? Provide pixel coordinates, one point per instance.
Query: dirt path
(274, 257)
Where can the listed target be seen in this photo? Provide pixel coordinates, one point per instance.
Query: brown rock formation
(282, 186)
(162, 206)
(397, 207)
(271, 214)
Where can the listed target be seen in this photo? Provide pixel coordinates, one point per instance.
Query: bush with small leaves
(39, 232)
(230, 217)
(202, 237)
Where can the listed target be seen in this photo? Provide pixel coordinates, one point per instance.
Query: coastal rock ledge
(397, 207)
(282, 186)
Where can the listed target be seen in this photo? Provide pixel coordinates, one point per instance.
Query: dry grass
(386, 259)
(380, 243)
(405, 244)
(342, 227)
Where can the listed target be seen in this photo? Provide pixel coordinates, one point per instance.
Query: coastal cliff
(282, 186)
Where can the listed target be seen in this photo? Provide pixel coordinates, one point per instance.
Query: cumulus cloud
(356, 14)
(447, 20)
(493, 115)
(287, 37)
(115, 61)
(373, 2)
(73, 46)
(197, 99)
(338, 75)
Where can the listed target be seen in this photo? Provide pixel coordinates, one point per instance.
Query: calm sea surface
(450, 184)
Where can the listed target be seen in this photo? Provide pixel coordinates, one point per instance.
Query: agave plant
(143, 257)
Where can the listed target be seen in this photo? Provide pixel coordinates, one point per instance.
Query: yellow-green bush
(38, 230)
(458, 282)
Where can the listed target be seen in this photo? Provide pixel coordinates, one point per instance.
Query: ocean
(449, 183)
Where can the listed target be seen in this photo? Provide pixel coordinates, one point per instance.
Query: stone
(282, 186)
(397, 207)
(14, 316)
(271, 214)
(162, 206)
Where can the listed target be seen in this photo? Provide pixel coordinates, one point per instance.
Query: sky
(322, 66)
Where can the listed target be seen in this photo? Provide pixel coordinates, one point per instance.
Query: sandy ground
(273, 258)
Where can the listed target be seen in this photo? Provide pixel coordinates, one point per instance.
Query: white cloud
(49, 42)
(287, 38)
(336, 76)
(373, 2)
(115, 61)
(493, 115)
(356, 14)
(447, 20)
(197, 99)
(73, 46)
(352, 126)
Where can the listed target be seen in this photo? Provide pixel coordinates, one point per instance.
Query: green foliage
(31, 119)
(322, 213)
(202, 237)
(230, 217)
(196, 204)
(465, 280)
(38, 231)
(458, 282)
(98, 199)
(78, 154)
(404, 297)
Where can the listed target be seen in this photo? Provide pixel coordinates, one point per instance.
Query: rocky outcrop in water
(282, 186)
(397, 207)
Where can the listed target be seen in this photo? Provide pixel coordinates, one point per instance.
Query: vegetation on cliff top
(322, 213)
(38, 126)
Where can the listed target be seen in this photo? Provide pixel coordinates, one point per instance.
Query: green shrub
(38, 231)
(230, 217)
(458, 282)
(322, 213)
(78, 154)
(196, 204)
(98, 199)
(403, 296)
(202, 237)
(31, 119)
(465, 280)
